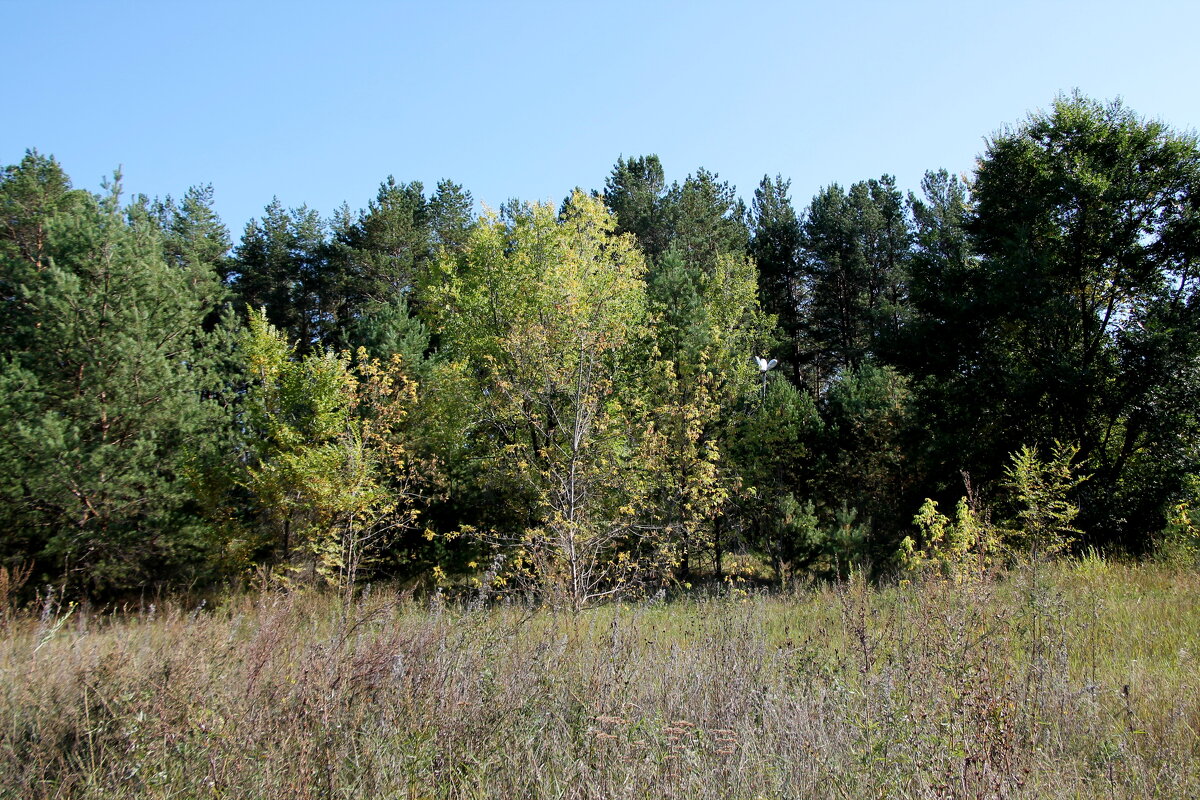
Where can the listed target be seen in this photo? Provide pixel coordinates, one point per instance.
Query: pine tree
(707, 219)
(635, 192)
(855, 260)
(100, 391)
(775, 247)
(280, 265)
(451, 214)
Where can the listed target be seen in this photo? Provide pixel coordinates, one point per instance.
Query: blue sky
(319, 102)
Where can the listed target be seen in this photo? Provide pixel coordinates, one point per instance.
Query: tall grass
(1064, 682)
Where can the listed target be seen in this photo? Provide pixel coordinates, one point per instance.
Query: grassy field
(1068, 681)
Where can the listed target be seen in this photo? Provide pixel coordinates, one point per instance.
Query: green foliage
(855, 263)
(701, 219)
(390, 328)
(774, 448)
(1082, 321)
(961, 549)
(703, 324)
(943, 266)
(544, 310)
(34, 193)
(195, 240)
(708, 220)
(323, 282)
(635, 192)
(390, 242)
(690, 487)
(322, 472)
(1041, 491)
(280, 266)
(588, 403)
(868, 424)
(103, 365)
(1179, 543)
(451, 214)
(1041, 525)
(775, 246)
(847, 545)
(790, 532)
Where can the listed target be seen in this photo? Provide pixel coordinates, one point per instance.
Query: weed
(1047, 681)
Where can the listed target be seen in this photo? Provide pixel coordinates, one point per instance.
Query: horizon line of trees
(566, 401)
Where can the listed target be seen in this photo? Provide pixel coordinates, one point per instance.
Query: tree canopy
(577, 403)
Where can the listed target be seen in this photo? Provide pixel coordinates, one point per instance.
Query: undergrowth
(1054, 681)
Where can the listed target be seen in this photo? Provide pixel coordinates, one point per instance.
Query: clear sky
(319, 102)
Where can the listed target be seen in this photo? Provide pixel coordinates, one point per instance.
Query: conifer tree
(451, 214)
(707, 219)
(856, 251)
(101, 375)
(636, 193)
(775, 247)
(280, 265)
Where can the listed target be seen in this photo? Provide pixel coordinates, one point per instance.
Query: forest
(642, 389)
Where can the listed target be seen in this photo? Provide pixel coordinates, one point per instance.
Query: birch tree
(544, 308)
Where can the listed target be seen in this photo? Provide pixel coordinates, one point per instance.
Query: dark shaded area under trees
(566, 401)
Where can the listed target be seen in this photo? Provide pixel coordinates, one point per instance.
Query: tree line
(566, 401)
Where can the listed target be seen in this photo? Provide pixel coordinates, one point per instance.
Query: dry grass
(1076, 682)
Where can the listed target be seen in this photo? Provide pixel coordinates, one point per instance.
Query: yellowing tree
(543, 307)
(323, 475)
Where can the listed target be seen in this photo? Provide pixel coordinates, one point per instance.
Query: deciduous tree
(1085, 306)
(544, 309)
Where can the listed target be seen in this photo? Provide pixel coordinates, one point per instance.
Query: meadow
(1064, 680)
